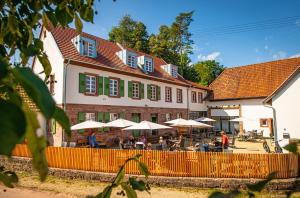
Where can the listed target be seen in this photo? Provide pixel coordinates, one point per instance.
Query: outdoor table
(139, 145)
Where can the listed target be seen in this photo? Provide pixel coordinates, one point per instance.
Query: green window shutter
(158, 92)
(81, 118)
(149, 92)
(53, 126)
(122, 115)
(100, 85)
(142, 91)
(81, 83)
(100, 119)
(129, 89)
(106, 86)
(106, 120)
(122, 88)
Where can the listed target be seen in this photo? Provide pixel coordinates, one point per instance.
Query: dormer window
(88, 49)
(131, 60)
(171, 70)
(85, 46)
(148, 66)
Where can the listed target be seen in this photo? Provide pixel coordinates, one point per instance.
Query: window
(131, 60)
(90, 84)
(264, 123)
(90, 116)
(148, 66)
(194, 97)
(200, 97)
(135, 90)
(168, 94)
(88, 48)
(113, 116)
(168, 116)
(179, 115)
(179, 95)
(113, 87)
(174, 71)
(153, 92)
(51, 84)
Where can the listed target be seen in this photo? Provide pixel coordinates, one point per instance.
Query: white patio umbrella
(205, 119)
(89, 124)
(146, 125)
(175, 121)
(191, 124)
(120, 123)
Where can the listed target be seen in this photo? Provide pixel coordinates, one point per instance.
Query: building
(243, 92)
(285, 101)
(93, 78)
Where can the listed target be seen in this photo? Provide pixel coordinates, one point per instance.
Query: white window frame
(168, 116)
(113, 87)
(179, 95)
(135, 90)
(113, 116)
(88, 48)
(153, 89)
(148, 66)
(168, 94)
(131, 59)
(174, 71)
(90, 84)
(90, 116)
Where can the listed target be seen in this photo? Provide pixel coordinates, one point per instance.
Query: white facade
(72, 84)
(287, 108)
(253, 109)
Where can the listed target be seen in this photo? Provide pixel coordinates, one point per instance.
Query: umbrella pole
(191, 140)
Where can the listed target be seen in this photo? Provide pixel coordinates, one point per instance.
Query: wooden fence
(166, 163)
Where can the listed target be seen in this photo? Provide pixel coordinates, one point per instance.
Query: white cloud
(266, 47)
(211, 56)
(295, 55)
(279, 55)
(297, 23)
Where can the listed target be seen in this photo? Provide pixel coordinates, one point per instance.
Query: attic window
(148, 66)
(174, 71)
(131, 60)
(88, 49)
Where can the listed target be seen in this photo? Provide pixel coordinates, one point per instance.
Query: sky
(233, 32)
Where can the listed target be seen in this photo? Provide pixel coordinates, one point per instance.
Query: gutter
(274, 119)
(65, 92)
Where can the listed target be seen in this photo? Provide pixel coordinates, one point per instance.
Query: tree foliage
(18, 22)
(130, 33)
(207, 71)
(173, 43)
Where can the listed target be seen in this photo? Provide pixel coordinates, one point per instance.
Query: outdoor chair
(266, 147)
(64, 144)
(72, 144)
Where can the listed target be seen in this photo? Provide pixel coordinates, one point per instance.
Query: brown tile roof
(196, 85)
(106, 55)
(252, 81)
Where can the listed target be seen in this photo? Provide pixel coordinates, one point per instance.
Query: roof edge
(289, 78)
(246, 98)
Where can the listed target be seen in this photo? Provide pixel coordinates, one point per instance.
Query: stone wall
(24, 164)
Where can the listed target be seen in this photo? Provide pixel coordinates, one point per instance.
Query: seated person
(225, 141)
(149, 146)
(92, 141)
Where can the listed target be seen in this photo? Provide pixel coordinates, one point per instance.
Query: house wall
(74, 97)
(252, 109)
(286, 104)
(56, 60)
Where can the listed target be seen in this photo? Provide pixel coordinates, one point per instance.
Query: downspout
(274, 119)
(64, 93)
(188, 102)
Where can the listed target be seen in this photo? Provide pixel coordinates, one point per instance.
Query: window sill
(135, 98)
(91, 94)
(114, 96)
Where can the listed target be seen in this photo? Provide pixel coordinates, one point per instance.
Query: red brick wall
(73, 109)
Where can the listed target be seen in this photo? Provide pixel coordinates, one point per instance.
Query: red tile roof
(252, 81)
(106, 55)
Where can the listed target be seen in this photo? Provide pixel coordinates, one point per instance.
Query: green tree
(174, 43)
(208, 71)
(131, 34)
